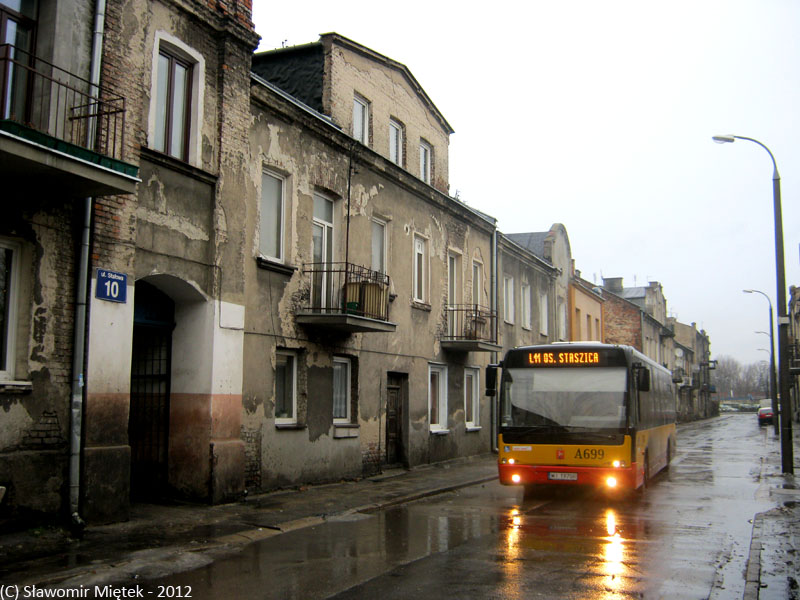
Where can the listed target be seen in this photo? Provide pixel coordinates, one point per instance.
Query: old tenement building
(226, 271)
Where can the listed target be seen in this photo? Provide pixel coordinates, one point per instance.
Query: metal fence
(345, 288)
(470, 322)
(43, 97)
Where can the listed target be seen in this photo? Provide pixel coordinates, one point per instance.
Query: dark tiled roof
(533, 241)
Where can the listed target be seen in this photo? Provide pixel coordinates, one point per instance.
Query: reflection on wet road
(686, 536)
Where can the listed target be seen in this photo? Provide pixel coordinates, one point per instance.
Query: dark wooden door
(394, 421)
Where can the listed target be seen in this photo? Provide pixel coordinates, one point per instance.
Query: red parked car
(764, 416)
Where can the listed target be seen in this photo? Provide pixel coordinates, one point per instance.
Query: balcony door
(322, 235)
(16, 46)
(452, 295)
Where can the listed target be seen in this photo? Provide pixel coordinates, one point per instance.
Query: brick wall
(623, 321)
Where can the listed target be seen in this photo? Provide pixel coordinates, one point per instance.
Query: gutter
(81, 296)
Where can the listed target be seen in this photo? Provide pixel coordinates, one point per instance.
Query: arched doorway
(148, 424)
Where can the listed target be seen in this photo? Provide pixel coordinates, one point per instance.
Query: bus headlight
(616, 464)
(611, 482)
(516, 478)
(511, 461)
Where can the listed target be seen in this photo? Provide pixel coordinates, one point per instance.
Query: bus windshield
(569, 399)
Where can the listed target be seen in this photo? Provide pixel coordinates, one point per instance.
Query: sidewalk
(773, 569)
(158, 539)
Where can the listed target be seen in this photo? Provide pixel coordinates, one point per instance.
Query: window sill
(440, 431)
(420, 305)
(289, 426)
(473, 428)
(345, 430)
(11, 386)
(271, 265)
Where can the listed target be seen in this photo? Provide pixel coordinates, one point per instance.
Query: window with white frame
(396, 142)
(361, 119)
(322, 252)
(472, 412)
(525, 308)
(378, 246)
(177, 98)
(477, 284)
(453, 290)
(425, 158)
(420, 268)
(270, 239)
(544, 315)
(508, 299)
(285, 387)
(437, 397)
(9, 285)
(341, 390)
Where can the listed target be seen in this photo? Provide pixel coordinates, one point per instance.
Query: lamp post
(787, 457)
(773, 388)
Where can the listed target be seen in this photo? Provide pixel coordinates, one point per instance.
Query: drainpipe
(493, 301)
(81, 295)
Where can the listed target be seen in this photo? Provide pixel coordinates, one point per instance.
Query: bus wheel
(529, 491)
(669, 454)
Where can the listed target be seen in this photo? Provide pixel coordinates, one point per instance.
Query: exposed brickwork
(371, 459)
(46, 433)
(252, 448)
(623, 321)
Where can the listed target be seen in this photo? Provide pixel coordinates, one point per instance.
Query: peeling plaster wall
(390, 95)
(311, 156)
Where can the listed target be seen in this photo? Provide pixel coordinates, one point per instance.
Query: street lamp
(772, 386)
(787, 458)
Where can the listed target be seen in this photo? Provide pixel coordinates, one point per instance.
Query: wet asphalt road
(686, 536)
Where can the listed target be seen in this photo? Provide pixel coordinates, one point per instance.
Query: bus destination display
(548, 358)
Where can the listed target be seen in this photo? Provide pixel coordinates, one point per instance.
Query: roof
(533, 241)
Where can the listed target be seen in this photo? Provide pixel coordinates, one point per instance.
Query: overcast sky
(599, 115)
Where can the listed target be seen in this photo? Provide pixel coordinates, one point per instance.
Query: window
(425, 156)
(322, 252)
(453, 266)
(472, 410)
(420, 258)
(270, 243)
(9, 269)
(173, 105)
(378, 246)
(396, 142)
(477, 284)
(285, 387)
(544, 315)
(437, 397)
(508, 299)
(578, 324)
(589, 327)
(361, 120)
(176, 95)
(17, 30)
(526, 306)
(341, 390)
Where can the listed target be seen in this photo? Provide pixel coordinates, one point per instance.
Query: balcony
(55, 134)
(346, 298)
(470, 328)
(794, 359)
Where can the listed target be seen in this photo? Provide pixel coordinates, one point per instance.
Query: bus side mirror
(491, 381)
(643, 379)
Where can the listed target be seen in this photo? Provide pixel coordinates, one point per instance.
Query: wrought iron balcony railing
(347, 289)
(39, 97)
(470, 322)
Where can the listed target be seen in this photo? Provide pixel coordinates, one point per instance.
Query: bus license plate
(563, 476)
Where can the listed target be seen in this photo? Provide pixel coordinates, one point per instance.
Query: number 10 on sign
(111, 286)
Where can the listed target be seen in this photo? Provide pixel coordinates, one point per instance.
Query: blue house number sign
(111, 286)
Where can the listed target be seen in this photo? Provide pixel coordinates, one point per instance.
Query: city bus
(582, 414)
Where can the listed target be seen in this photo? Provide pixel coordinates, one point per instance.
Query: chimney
(613, 284)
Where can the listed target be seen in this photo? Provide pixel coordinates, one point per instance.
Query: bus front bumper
(605, 477)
